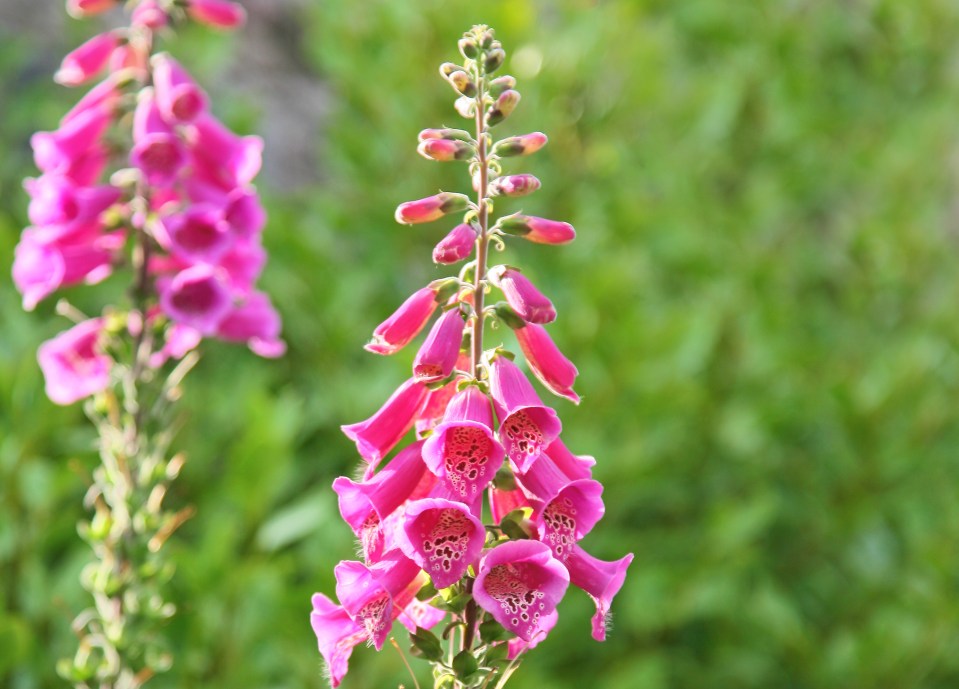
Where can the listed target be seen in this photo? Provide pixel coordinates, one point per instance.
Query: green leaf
(491, 630)
(425, 645)
(465, 664)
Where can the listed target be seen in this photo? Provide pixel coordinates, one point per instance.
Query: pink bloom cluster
(487, 501)
(180, 195)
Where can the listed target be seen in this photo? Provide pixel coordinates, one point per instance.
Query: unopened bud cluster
(480, 516)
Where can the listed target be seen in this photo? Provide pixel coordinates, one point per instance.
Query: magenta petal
(602, 580)
(255, 322)
(376, 436)
(527, 427)
(405, 323)
(196, 297)
(437, 357)
(365, 600)
(336, 635)
(420, 614)
(178, 96)
(462, 450)
(546, 362)
(519, 583)
(385, 491)
(569, 516)
(73, 363)
(517, 646)
(442, 537)
(555, 468)
(531, 304)
(502, 502)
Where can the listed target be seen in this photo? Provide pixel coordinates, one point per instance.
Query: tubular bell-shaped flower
(527, 426)
(406, 322)
(379, 434)
(441, 349)
(546, 362)
(442, 537)
(462, 450)
(74, 364)
(519, 583)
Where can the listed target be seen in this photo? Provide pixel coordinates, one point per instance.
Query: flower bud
(494, 60)
(486, 39)
(462, 83)
(87, 8)
(437, 357)
(83, 63)
(150, 15)
(531, 304)
(519, 145)
(503, 107)
(546, 362)
(445, 150)
(221, 14)
(515, 185)
(455, 246)
(430, 208)
(448, 68)
(451, 134)
(538, 230)
(500, 84)
(468, 47)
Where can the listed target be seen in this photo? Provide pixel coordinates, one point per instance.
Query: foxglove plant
(433, 549)
(140, 178)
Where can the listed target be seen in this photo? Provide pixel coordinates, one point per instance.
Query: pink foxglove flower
(197, 297)
(442, 537)
(85, 8)
(406, 322)
(73, 363)
(519, 583)
(546, 362)
(439, 352)
(157, 150)
(455, 246)
(84, 62)
(531, 304)
(527, 426)
(431, 208)
(520, 145)
(515, 185)
(379, 434)
(221, 14)
(462, 450)
(570, 515)
(538, 230)
(178, 97)
(64, 149)
(255, 322)
(601, 580)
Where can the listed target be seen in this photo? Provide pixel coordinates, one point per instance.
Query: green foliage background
(761, 301)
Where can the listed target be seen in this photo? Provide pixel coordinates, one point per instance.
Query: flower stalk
(475, 523)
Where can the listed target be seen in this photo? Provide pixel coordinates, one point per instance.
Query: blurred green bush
(762, 303)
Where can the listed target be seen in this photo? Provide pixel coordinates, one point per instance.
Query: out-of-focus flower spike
(515, 185)
(503, 107)
(376, 436)
(83, 63)
(73, 363)
(520, 583)
(157, 151)
(519, 145)
(57, 151)
(455, 246)
(440, 350)
(221, 14)
(538, 230)
(531, 304)
(546, 362)
(196, 297)
(430, 208)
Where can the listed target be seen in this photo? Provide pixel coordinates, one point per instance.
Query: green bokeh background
(761, 302)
